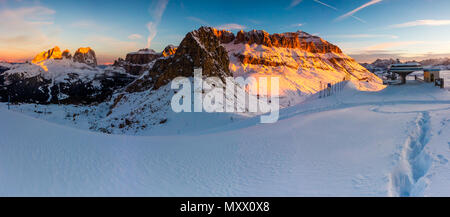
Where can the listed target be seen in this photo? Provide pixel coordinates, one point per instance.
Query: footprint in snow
(442, 159)
(360, 181)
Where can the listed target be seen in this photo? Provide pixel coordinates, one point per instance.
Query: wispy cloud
(26, 30)
(198, 20)
(294, 3)
(372, 2)
(231, 26)
(134, 36)
(422, 23)
(297, 25)
(157, 12)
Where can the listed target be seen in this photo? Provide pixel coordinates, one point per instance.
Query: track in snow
(414, 161)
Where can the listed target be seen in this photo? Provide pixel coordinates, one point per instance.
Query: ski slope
(389, 143)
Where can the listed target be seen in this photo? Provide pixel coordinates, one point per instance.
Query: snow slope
(389, 143)
(300, 72)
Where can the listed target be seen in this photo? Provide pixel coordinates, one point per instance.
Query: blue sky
(364, 29)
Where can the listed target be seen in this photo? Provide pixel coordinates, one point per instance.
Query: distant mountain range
(383, 64)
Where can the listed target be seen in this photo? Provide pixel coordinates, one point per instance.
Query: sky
(364, 29)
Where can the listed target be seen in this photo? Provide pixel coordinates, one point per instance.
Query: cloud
(297, 25)
(353, 36)
(157, 12)
(371, 2)
(422, 23)
(25, 31)
(134, 36)
(198, 20)
(231, 26)
(294, 3)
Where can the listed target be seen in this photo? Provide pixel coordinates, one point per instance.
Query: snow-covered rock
(49, 80)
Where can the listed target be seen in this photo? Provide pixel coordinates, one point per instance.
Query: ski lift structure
(404, 69)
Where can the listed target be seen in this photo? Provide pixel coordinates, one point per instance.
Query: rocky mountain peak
(298, 40)
(169, 50)
(54, 53)
(66, 54)
(85, 55)
(199, 49)
(143, 56)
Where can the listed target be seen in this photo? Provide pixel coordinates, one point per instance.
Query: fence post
(320, 90)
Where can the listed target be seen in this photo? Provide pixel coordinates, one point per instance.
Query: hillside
(307, 153)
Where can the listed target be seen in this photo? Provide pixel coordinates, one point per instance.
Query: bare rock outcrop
(85, 55)
(298, 40)
(199, 49)
(169, 50)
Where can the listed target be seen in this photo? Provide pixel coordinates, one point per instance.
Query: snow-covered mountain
(136, 90)
(57, 77)
(303, 62)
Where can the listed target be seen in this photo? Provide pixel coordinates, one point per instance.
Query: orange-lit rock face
(298, 40)
(169, 51)
(54, 53)
(303, 63)
(84, 50)
(224, 36)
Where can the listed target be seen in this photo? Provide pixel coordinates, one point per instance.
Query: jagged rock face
(85, 55)
(224, 36)
(143, 56)
(136, 63)
(134, 69)
(199, 49)
(297, 40)
(66, 54)
(54, 53)
(169, 50)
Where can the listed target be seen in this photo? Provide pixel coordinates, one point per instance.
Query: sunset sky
(364, 29)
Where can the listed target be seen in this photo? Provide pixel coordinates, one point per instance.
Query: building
(446, 77)
(430, 75)
(404, 69)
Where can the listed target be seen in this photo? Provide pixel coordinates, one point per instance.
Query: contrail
(372, 2)
(334, 8)
(326, 5)
(157, 14)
